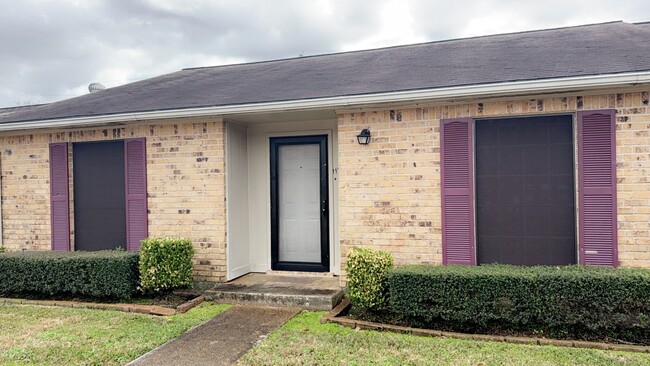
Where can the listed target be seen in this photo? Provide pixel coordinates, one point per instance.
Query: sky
(52, 50)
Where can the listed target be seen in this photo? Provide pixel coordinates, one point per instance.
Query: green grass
(39, 335)
(304, 341)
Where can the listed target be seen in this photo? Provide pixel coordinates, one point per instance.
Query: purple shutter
(597, 187)
(135, 164)
(457, 188)
(59, 197)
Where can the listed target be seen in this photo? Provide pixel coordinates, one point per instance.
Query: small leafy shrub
(103, 274)
(367, 269)
(165, 264)
(574, 301)
(2, 249)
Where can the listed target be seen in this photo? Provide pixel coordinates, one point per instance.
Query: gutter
(483, 90)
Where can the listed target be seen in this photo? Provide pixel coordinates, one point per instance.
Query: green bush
(105, 274)
(165, 263)
(573, 301)
(2, 249)
(367, 269)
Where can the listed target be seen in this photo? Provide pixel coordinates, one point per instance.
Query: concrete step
(280, 291)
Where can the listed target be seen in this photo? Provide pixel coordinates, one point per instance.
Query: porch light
(364, 137)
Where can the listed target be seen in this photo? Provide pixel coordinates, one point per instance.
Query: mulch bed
(162, 305)
(169, 300)
(339, 315)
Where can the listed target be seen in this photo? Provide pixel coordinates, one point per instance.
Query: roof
(8, 110)
(598, 49)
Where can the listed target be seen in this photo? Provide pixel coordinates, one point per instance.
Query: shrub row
(162, 264)
(104, 274)
(573, 301)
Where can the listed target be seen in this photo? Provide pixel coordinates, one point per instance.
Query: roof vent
(94, 87)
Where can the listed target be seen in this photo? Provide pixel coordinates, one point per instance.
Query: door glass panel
(299, 203)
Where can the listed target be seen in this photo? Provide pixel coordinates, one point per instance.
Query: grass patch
(39, 335)
(304, 341)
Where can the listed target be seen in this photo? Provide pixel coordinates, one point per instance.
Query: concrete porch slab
(310, 292)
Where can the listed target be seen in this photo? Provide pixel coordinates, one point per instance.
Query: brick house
(526, 148)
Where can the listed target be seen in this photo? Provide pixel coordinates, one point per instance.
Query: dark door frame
(276, 264)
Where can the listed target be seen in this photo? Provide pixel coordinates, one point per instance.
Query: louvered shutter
(59, 197)
(457, 191)
(135, 164)
(597, 187)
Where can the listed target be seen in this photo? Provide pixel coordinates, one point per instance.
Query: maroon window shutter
(59, 197)
(597, 187)
(135, 164)
(457, 186)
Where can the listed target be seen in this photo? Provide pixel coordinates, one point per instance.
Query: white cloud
(52, 50)
(398, 26)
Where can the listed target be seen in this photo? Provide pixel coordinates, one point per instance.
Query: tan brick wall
(390, 189)
(185, 178)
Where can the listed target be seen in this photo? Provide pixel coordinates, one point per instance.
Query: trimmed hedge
(104, 274)
(367, 269)
(165, 264)
(573, 301)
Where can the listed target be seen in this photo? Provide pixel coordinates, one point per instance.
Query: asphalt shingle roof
(606, 48)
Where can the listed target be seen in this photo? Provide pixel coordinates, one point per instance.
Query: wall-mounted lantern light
(364, 137)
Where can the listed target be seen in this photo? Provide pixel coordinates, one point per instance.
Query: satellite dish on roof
(94, 87)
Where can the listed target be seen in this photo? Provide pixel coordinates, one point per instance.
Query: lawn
(39, 335)
(304, 341)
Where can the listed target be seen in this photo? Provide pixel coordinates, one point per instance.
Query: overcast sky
(52, 50)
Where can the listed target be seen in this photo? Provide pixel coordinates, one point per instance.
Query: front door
(299, 204)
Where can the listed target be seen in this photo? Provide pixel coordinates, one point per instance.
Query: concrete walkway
(220, 341)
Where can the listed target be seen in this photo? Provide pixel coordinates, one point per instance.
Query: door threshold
(299, 273)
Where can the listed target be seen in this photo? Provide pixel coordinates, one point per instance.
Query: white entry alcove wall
(259, 196)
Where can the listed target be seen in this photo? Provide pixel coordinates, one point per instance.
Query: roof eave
(437, 94)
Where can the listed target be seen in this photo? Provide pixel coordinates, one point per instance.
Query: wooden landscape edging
(127, 308)
(334, 316)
